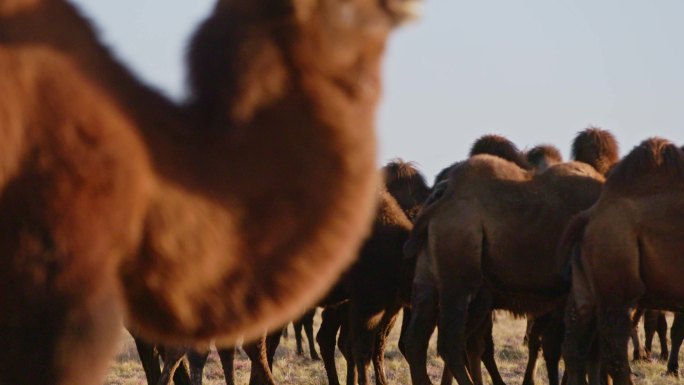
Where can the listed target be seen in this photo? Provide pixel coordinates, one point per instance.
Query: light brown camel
(491, 244)
(627, 250)
(424, 297)
(225, 216)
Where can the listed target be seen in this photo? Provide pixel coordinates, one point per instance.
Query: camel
(416, 335)
(221, 217)
(367, 299)
(372, 299)
(625, 251)
(489, 242)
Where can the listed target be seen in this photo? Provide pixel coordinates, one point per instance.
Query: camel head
(284, 41)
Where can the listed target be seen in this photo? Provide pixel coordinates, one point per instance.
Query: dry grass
(290, 369)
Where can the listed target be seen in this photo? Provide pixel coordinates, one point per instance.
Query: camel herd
(497, 231)
(256, 199)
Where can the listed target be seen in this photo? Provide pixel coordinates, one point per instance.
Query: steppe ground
(290, 369)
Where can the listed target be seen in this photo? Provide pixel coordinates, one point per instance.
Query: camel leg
(638, 353)
(474, 352)
(552, 341)
(676, 335)
(405, 320)
(260, 373)
(614, 331)
(380, 344)
(424, 316)
(197, 360)
(650, 326)
(451, 343)
(363, 335)
(447, 377)
(344, 343)
(173, 359)
(227, 357)
(298, 326)
(327, 334)
(661, 329)
(488, 354)
(308, 321)
(578, 341)
(272, 343)
(479, 313)
(149, 357)
(595, 369)
(536, 327)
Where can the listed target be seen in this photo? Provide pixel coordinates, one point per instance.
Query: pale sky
(536, 71)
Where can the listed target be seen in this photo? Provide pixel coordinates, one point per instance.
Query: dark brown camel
(491, 239)
(369, 296)
(372, 289)
(117, 202)
(625, 251)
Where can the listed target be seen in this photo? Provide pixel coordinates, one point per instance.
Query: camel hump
(543, 156)
(399, 169)
(596, 147)
(653, 155)
(500, 146)
(404, 174)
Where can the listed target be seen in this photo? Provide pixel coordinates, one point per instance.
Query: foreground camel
(491, 244)
(225, 216)
(625, 251)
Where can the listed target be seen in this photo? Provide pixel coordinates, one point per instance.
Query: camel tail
(569, 245)
(419, 233)
(597, 148)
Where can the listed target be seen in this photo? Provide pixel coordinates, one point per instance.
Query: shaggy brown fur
(627, 250)
(376, 288)
(116, 201)
(501, 147)
(596, 147)
(407, 185)
(543, 156)
(493, 239)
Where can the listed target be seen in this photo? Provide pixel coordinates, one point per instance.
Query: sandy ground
(290, 369)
